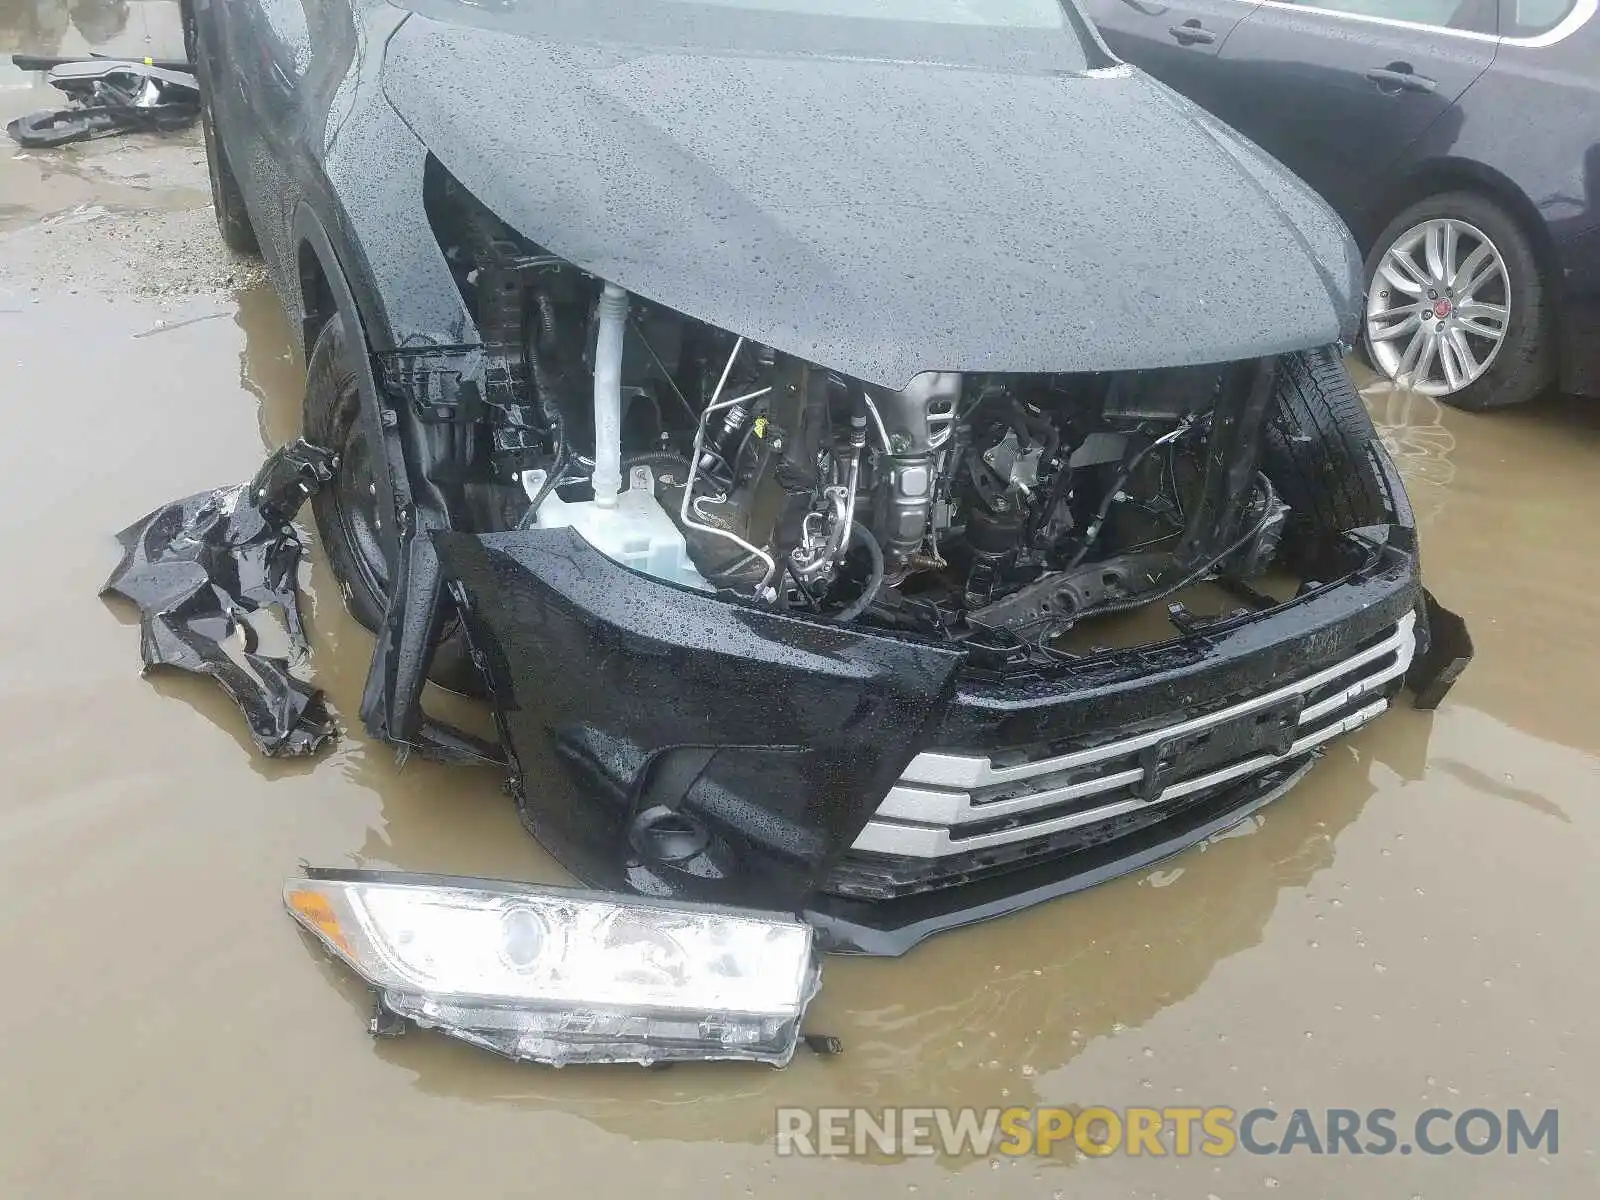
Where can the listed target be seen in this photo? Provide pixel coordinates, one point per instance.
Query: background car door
(1178, 43)
(1337, 93)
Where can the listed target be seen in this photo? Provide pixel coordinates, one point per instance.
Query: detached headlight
(557, 976)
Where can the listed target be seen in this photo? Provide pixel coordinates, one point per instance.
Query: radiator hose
(861, 536)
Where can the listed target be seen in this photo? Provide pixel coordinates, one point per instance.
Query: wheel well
(316, 297)
(1438, 176)
(1463, 175)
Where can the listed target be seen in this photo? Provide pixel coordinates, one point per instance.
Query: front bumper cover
(675, 745)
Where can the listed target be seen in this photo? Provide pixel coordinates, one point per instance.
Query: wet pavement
(1412, 927)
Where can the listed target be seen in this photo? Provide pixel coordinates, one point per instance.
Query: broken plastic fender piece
(199, 570)
(1434, 672)
(109, 96)
(557, 975)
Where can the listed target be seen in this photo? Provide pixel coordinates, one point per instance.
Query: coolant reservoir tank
(637, 532)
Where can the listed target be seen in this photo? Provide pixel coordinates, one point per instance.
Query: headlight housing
(558, 975)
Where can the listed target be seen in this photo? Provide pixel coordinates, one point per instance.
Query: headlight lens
(557, 976)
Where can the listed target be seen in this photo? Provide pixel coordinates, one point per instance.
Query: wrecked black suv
(886, 461)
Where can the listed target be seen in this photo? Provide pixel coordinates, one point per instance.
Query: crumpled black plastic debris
(108, 96)
(198, 569)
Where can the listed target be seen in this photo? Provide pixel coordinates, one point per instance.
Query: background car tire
(1523, 366)
(1317, 445)
(348, 509)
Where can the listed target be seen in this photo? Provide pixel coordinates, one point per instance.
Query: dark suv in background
(1459, 140)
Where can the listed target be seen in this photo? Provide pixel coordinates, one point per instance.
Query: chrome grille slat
(964, 771)
(924, 814)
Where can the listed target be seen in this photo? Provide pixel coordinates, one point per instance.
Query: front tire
(1317, 446)
(348, 511)
(351, 510)
(1457, 307)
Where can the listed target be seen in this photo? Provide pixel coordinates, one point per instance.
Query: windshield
(1009, 35)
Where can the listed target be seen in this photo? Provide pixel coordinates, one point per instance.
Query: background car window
(1008, 14)
(1476, 16)
(1529, 18)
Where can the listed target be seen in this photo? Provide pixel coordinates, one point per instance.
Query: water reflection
(32, 26)
(43, 26)
(1412, 428)
(98, 20)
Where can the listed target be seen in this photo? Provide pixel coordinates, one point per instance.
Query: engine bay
(993, 510)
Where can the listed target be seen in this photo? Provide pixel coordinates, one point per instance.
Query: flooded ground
(1412, 928)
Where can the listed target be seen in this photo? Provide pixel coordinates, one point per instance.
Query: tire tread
(1317, 446)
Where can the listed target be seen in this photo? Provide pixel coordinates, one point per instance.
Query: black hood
(999, 209)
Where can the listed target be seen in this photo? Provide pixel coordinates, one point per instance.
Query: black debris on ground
(209, 572)
(107, 97)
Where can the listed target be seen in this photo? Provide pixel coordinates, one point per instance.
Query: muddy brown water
(1413, 927)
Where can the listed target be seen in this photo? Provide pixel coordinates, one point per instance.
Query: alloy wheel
(1438, 307)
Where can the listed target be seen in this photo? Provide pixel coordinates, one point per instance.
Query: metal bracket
(385, 1022)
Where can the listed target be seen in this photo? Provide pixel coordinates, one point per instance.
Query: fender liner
(414, 617)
